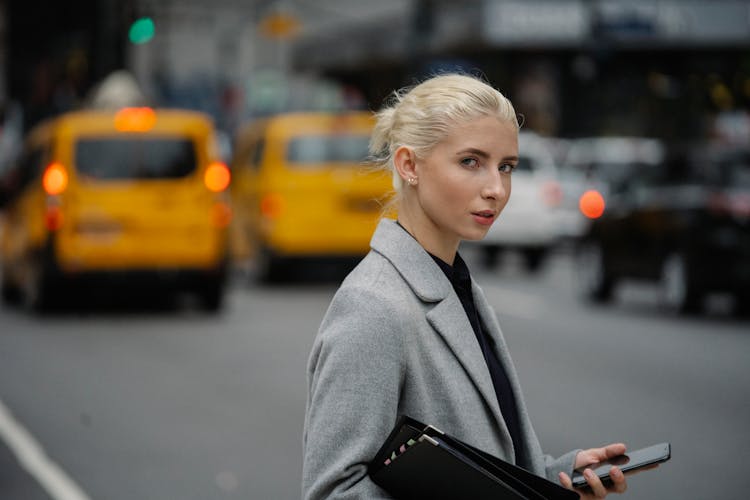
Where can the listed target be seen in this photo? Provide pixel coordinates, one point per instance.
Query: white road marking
(32, 457)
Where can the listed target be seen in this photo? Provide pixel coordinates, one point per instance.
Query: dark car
(684, 224)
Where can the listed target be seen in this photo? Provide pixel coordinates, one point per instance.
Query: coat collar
(411, 260)
(447, 317)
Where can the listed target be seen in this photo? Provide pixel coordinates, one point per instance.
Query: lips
(487, 214)
(484, 217)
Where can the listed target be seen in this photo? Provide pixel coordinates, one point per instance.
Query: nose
(494, 187)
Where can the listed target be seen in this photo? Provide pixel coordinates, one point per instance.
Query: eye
(506, 168)
(470, 162)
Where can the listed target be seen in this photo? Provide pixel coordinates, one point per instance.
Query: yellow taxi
(123, 194)
(301, 189)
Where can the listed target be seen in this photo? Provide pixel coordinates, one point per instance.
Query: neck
(430, 239)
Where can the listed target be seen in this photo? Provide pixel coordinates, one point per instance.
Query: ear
(405, 161)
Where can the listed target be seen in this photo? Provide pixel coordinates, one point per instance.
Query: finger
(590, 456)
(593, 455)
(584, 458)
(597, 488)
(565, 480)
(614, 450)
(619, 483)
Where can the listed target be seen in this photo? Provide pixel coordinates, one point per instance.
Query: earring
(412, 180)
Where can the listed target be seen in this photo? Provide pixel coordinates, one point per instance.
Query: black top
(459, 276)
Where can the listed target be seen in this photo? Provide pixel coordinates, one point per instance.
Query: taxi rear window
(328, 149)
(135, 158)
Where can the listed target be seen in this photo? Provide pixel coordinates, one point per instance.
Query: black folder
(420, 461)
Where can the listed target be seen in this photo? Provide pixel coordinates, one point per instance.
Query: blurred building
(52, 52)
(572, 67)
(667, 68)
(229, 58)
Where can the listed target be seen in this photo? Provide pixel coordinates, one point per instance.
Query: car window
(711, 167)
(525, 164)
(622, 177)
(328, 149)
(135, 157)
(735, 172)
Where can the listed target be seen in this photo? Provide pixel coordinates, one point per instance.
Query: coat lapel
(489, 319)
(449, 320)
(447, 317)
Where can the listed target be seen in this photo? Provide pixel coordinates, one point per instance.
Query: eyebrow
(484, 154)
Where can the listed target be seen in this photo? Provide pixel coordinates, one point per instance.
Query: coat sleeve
(355, 372)
(554, 466)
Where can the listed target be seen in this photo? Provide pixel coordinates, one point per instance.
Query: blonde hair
(422, 116)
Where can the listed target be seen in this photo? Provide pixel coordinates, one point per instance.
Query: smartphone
(629, 462)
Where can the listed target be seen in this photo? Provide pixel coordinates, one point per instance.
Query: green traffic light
(142, 30)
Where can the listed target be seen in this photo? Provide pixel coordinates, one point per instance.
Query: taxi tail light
(272, 206)
(552, 194)
(53, 218)
(591, 204)
(221, 214)
(217, 177)
(55, 179)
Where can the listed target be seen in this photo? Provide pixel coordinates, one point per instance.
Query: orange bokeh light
(55, 179)
(591, 204)
(135, 120)
(272, 205)
(217, 177)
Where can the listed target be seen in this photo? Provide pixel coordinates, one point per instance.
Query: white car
(536, 216)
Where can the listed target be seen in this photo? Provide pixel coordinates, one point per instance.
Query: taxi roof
(291, 124)
(103, 121)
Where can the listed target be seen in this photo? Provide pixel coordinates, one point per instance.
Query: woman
(409, 332)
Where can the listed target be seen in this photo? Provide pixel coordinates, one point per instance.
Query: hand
(596, 487)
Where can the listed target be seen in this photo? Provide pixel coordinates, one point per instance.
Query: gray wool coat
(396, 340)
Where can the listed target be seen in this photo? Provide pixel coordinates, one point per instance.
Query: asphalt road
(171, 403)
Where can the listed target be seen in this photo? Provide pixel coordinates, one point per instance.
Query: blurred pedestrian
(409, 331)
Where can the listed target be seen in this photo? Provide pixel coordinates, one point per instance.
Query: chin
(474, 235)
